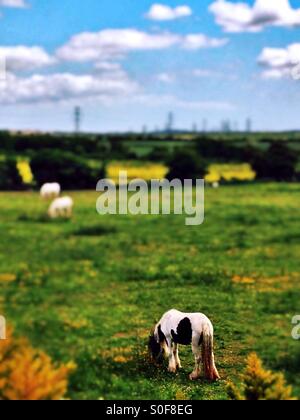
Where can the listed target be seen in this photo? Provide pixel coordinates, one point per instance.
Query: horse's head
(154, 346)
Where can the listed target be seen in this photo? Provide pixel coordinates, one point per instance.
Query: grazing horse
(50, 190)
(61, 207)
(177, 328)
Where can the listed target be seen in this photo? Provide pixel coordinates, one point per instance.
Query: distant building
(77, 119)
(144, 129)
(226, 126)
(248, 125)
(170, 123)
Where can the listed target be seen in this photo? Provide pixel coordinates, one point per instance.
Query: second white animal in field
(215, 185)
(61, 207)
(50, 190)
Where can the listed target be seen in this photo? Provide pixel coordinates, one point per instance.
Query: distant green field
(143, 148)
(90, 289)
(261, 140)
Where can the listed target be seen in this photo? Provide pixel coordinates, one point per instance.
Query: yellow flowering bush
(260, 384)
(25, 172)
(29, 374)
(230, 172)
(142, 170)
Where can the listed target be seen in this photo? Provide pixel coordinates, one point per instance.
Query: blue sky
(129, 62)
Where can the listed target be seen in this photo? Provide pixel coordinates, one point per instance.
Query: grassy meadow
(90, 289)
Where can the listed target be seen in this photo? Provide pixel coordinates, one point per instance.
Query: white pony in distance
(50, 190)
(61, 207)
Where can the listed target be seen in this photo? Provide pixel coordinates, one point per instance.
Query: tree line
(77, 162)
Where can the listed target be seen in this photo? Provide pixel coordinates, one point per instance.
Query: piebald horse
(176, 328)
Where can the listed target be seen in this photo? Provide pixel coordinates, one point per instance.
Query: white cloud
(198, 41)
(166, 78)
(103, 49)
(63, 87)
(109, 90)
(279, 62)
(17, 4)
(13, 3)
(113, 44)
(275, 74)
(241, 17)
(280, 57)
(188, 75)
(203, 73)
(106, 66)
(22, 58)
(162, 12)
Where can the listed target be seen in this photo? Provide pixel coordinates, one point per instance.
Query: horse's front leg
(176, 355)
(170, 354)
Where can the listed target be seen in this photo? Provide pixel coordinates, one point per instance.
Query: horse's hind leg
(197, 354)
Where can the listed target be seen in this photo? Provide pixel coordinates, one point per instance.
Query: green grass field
(90, 289)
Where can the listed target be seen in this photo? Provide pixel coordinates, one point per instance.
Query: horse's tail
(210, 371)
